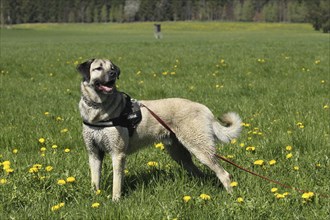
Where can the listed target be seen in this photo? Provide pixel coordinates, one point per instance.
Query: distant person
(158, 34)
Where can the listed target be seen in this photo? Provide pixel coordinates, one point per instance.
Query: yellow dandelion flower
(240, 200)
(95, 205)
(49, 168)
(288, 156)
(272, 162)
(317, 62)
(186, 198)
(9, 170)
(6, 163)
(61, 204)
(288, 148)
(41, 140)
(322, 81)
(152, 164)
(159, 146)
(296, 168)
(3, 181)
(260, 60)
(300, 125)
(250, 148)
(259, 162)
(280, 196)
(205, 196)
(54, 146)
(241, 144)
(234, 184)
(326, 107)
(126, 172)
(307, 195)
(6, 167)
(286, 193)
(67, 150)
(70, 179)
(64, 130)
(37, 165)
(15, 151)
(46, 113)
(245, 124)
(98, 192)
(55, 208)
(43, 149)
(33, 170)
(274, 190)
(318, 165)
(233, 141)
(61, 182)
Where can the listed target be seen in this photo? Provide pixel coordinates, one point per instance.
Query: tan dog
(195, 127)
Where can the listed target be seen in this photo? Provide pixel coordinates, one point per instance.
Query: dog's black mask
(84, 70)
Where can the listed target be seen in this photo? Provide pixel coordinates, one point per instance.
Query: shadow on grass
(150, 178)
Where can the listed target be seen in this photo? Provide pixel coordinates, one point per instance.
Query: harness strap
(129, 118)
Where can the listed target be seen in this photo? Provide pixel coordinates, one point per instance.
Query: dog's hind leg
(182, 156)
(201, 146)
(209, 159)
(95, 157)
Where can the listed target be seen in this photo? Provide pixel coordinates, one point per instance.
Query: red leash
(225, 159)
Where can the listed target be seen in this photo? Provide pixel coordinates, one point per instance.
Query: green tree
(96, 15)
(104, 14)
(88, 14)
(297, 11)
(248, 10)
(269, 12)
(319, 14)
(237, 12)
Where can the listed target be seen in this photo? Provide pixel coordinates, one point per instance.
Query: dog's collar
(129, 118)
(91, 103)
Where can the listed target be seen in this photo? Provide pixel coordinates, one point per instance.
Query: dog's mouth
(107, 87)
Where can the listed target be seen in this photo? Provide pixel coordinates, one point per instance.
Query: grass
(276, 76)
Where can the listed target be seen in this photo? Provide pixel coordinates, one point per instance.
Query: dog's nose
(112, 73)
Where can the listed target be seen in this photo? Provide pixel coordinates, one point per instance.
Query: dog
(107, 129)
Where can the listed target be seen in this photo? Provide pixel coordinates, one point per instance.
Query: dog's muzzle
(106, 87)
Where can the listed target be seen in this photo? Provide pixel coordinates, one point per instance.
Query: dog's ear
(83, 69)
(117, 69)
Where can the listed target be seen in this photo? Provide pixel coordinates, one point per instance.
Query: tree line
(88, 11)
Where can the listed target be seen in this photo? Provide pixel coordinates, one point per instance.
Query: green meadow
(276, 76)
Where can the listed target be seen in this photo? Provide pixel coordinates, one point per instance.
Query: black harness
(129, 118)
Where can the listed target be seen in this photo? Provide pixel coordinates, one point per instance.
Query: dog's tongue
(104, 88)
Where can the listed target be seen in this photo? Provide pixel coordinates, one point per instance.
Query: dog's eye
(98, 68)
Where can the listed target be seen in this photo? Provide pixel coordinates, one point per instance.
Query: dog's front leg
(118, 164)
(95, 164)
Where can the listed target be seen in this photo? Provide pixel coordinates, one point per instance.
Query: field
(276, 76)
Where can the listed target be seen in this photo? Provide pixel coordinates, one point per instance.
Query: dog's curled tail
(230, 129)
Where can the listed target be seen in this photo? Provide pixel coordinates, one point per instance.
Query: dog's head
(100, 74)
